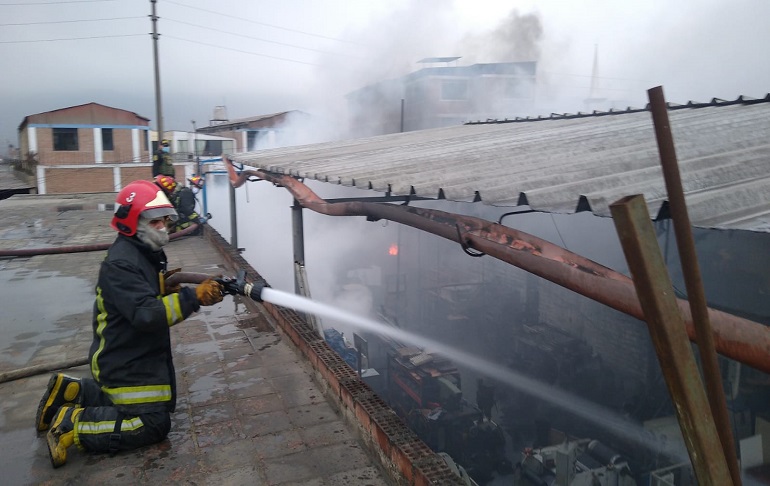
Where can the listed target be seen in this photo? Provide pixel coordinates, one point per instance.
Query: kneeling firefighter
(184, 200)
(127, 402)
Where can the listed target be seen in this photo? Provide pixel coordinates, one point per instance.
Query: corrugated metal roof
(245, 121)
(563, 163)
(93, 113)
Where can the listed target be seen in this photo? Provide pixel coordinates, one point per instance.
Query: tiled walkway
(248, 412)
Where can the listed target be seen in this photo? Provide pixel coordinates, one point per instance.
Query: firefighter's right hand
(209, 292)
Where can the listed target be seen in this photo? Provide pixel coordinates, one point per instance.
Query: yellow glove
(209, 292)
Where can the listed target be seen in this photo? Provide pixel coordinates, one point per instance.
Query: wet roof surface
(249, 409)
(563, 163)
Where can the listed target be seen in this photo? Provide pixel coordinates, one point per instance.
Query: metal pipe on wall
(740, 339)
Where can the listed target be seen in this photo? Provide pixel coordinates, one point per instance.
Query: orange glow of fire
(393, 250)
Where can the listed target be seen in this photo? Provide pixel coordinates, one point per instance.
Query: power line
(70, 39)
(261, 23)
(242, 51)
(52, 3)
(169, 36)
(71, 21)
(591, 76)
(254, 38)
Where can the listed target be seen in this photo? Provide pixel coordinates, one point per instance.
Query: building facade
(85, 148)
(257, 132)
(434, 97)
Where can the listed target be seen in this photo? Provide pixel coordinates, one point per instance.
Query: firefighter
(127, 402)
(183, 199)
(161, 161)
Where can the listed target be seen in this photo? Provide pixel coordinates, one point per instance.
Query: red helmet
(167, 183)
(139, 197)
(196, 181)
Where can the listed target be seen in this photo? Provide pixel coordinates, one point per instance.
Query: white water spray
(596, 414)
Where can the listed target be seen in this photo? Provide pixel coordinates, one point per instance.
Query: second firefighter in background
(184, 200)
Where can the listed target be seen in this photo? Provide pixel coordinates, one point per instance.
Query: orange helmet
(167, 183)
(139, 198)
(196, 181)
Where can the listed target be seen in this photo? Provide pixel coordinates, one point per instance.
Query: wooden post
(704, 335)
(664, 320)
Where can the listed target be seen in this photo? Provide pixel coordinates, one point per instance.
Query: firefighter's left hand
(209, 292)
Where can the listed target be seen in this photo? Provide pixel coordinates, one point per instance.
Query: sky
(258, 57)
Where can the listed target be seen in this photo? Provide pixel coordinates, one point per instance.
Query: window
(212, 147)
(454, 89)
(65, 139)
(107, 143)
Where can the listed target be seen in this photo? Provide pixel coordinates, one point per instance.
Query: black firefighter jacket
(130, 355)
(184, 200)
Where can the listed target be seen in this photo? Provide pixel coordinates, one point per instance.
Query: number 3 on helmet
(139, 198)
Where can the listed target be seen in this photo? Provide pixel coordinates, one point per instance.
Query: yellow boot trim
(58, 441)
(57, 446)
(71, 392)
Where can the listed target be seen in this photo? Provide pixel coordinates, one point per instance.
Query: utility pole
(158, 109)
(195, 148)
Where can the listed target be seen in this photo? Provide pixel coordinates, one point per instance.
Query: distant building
(85, 148)
(189, 146)
(442, 96)
(256, 132)
(85, 134)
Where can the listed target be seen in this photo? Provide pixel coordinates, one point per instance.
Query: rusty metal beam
(737, 338)
(696, 296)
(656, 293)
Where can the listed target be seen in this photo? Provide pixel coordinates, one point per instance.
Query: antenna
(593, 98)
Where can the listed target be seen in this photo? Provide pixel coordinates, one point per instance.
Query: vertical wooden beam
(704, 335)
(664, 320)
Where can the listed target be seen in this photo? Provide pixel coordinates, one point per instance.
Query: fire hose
(27, 252)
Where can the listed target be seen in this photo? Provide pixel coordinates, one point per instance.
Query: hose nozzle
(239, 286)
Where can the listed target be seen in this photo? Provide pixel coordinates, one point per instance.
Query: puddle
(18, 456)
(32, 304)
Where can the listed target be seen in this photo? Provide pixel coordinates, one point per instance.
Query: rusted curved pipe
(734, 337)
(26, 252)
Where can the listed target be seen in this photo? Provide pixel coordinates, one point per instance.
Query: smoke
(391, 46)
(517, 38)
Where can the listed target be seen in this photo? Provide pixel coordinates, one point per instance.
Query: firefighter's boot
(62, 389)
(62, 434)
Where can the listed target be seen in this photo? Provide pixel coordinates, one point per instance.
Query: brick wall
(124, 150)
(46, 155)
(96, 177)
(61, 180)
(122, 142)
(133, 173)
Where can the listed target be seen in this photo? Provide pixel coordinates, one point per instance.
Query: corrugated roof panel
(563, 163)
